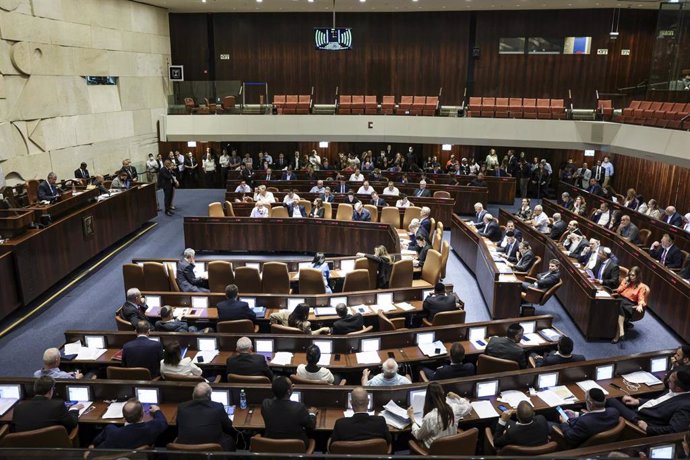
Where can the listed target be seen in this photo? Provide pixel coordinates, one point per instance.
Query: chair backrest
(208, 447)
(294, 378)
(279, 211)
(550, 292)
(441, 194)
(215, 209)
(388, 100)
(365, 264)
(259, 444)
(127, 373)
(385, 324)
(344, 212)
(280, 329)
(247, 279)
(238, 325)
(623, 272)
(172, 278)
(133, 275)
(514, 449)
(182, 378)
(412, 212)
(401, 274)
(431, 271)
(535, 266)
(121, 323)
(607, 436)
(32, 191)
(229, 102)
(311, 281)
(644, 236)
(356, 280)
(219, 275)
(436, 240)
(488, 365)
(364, 330)
(445, 252)
(229, 210)
(49, 437)
(390, 215)
(306, 204)
(155, 277)
(275, 278)
(366, 447)
(237, 378)
(374, 211)
(327, 210)
(446, 318)
(463, 444)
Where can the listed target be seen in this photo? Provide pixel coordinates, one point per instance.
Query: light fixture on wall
(191, 144)
(615, 23)
(323, 145)
(446, 147)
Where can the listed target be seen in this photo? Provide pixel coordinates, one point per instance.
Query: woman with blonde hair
(384, 265)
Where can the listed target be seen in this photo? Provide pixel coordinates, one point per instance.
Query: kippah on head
(597, 395)
(510, 233)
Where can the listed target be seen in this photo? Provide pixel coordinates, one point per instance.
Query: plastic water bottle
(243, 399)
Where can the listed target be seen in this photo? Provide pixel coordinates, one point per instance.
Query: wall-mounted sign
(602, 51)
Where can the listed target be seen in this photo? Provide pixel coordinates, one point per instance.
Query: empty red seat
(290, 104)
(417, 105)
(605, 108)
(629, 111)
(529, 108)
(405, 105)
(558, 109)
(474, 107)
(639, 111)
(370, 105)
(544, 109)
(515, 107)
(679, 111)
(303, 104)
(502, 108)
(488, 106)
(430, 106)
(344, 104)
(388, 105)
(357, 105)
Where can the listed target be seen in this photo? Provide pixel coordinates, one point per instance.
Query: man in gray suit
(187, 280)
(628, 231)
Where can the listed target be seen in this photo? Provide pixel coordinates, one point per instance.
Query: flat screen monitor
(221, 396)
(78, 393)
(199, 302)
(477, 333)
(425, 337)
(206, 344)
(605, 372)
(487, 389)
(296, 396)
(334, 301)
(347, 265)
(325, 346)
(370, 345)
(264, 345)
(385, 299)
(426, 293)
(293, 302)
(329, 39)
(95, 341)
(11, 391)
(153, 301)
(530, 327)
(147, 395)
(251, 301)
(547, 380)
(658, 364)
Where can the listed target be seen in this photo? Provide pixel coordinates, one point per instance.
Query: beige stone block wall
(50, 119)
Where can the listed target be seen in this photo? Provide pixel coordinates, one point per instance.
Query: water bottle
(243, 399)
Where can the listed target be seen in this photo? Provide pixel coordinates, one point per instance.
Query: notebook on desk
(117, 356)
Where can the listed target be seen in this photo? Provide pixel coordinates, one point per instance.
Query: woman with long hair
(173, 363)
(525, 211)
(384, 265)
(440, 416)
(319, 262)
(634, 294)
(317, 209)
(580, 206)
(299, 319)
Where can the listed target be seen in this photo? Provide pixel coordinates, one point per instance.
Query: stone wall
(50, 119)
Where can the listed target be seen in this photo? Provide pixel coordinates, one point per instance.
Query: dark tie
(600, 275)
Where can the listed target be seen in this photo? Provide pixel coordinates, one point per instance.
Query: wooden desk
(9, 294)
(287, 235)
(591, 307)
(66, 203)
(669, 295)
(501, 292)
(44, 257)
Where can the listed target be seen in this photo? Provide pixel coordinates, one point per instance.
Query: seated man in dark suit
(347, 322)
(546, 280)
(297, 210)
(422, 249)
(525, 259)
(134, 308)
(289, 174)
(246, 362)
(135, 432)
(510, 250)
(233, 309)
(286, 419)
(440, 301)
(596, 419)
(202, 421)
(143, 351)
(606, 271)
(529, 430)
(422, 190)
(47, 190)
(669, 413)
(82, 173)
(558, 227)
(168, 323)
(491, 230)
(187, 281)
(376, 200)
(666, 252)
(507, 347)
(327, 196)
(672, 217)
(360, 214)
(415, 228)
(594, 187)
(361, 426)
(479, 213)
(564, 354)
(42, 410)
(456, 369)
(478, 181)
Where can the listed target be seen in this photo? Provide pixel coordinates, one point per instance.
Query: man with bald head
(360, 426)
(202, 421)
(136, 432)
(389, 376)
(51, 367)
(528, 430)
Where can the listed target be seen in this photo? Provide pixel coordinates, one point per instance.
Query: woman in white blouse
(311, 370)
(173, 363)
(441, 415)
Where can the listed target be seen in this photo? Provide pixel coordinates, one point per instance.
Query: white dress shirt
(388, 191)
(541, 222)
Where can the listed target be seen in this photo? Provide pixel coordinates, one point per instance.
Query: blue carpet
(91, 302)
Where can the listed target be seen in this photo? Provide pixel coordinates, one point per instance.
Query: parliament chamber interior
(338, 228)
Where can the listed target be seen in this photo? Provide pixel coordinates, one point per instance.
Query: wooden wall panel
(189, 44)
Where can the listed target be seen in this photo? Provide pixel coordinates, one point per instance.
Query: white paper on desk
(513, 398)
(179, 313)
(349, 413)
(6, 404)
(587, 385)
(384, 308)
(484, 409)
(642, 377)
(72, 348)
(503, 268)
(551, 398)
(602, 293)
(324, 360)
(325, 311)
(507, 278)
(368, 357)
(408, 252)
(86, 404)
(282, 358)
(534, 339)
(393, 420)
(404, 306)
(207, 355)
(90, 353)
(396, 410)
(114, 410)
(429, 349)
(564, 393)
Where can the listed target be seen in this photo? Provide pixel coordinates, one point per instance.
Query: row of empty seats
(208, 107)
(368, 105)
(292, 103)
(674, 115)
(516, 107)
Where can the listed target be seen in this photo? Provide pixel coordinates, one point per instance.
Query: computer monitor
(326, 346)
(199, 302)
(426, 293)
(605, 372)
(293, 302)
(370, 406)
(477, 333)
(296, 396)
(658, 364)
(147, 395)
(385, 298)
(206, 344)
(415, 399)
(665, 451)
(302, 265)
(370, 345)
(334, 301)
(425, 337)
(530, 327)
(199, 268)
(251, 301)
(78, 393)
(95, 341)
(347, 265)
(263, 345)
(221, 396)
(153, 300)
(547, 380)
(10, 391)
(487, 389)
